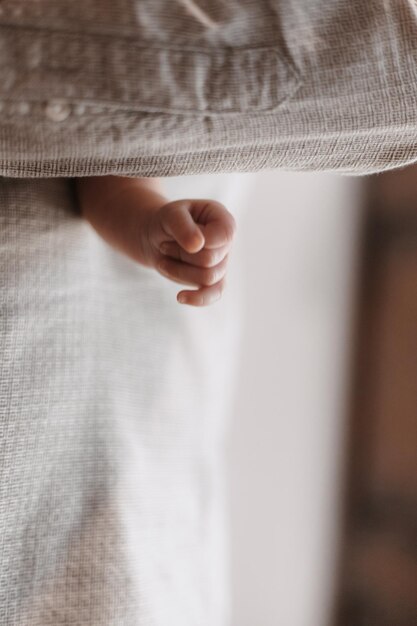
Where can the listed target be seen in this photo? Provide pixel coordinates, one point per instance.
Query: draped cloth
(114, 398)
(114, 406)
(147, 88)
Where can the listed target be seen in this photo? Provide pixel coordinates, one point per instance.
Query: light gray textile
(114, 400)
(149, 90)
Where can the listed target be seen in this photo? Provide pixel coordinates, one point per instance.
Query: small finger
(191, 275)
(203, 296)
(177, 222)
(203, 258)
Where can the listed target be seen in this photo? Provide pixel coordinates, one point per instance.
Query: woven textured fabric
(113, 398)
(114, 401)
(147, 89)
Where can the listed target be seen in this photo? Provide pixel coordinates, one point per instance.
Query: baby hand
(189, 242)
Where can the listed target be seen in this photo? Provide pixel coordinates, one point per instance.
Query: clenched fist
(187, 241)
(190, 242)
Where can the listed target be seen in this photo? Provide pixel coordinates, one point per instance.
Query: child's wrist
(121, 211)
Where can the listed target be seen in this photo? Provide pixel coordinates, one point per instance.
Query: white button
(80, 109)
(23, 108)
(57, 110)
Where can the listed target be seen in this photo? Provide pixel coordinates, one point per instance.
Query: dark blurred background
(322, 453)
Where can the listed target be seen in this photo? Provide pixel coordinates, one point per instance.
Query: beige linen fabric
(149, 90)
(112, 401)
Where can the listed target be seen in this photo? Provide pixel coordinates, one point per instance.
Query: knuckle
(232, 220)
(220, 287)
(210, 276)
(213, 275)
(210, 203)
(230, 230)
(209, 258)
(219, 205)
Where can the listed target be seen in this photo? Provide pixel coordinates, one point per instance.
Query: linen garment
(143, 87)
(113, 397)
(114, 404)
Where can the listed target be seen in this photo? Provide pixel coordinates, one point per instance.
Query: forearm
(118, 215)
(103, 194)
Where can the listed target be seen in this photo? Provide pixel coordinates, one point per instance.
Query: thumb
(177, 221)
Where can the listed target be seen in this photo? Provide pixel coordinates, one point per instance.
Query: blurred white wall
(295, 263)
(289, 303)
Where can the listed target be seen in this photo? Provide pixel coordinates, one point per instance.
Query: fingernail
(164, 248)
(182, 298)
